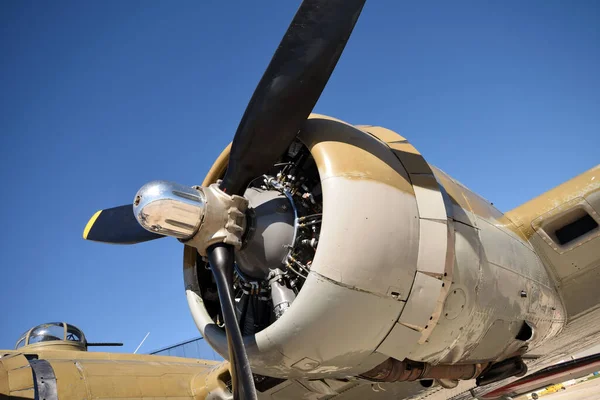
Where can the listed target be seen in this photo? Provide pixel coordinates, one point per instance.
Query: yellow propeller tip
(90, 223)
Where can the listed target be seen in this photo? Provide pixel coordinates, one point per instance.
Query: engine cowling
(409, 265)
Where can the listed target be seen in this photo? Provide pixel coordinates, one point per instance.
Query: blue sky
(98, 98)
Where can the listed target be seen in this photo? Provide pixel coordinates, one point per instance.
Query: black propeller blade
(117, 226)
(281, 103)
(290, 87)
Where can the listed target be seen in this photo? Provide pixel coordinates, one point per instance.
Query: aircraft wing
(68, 374)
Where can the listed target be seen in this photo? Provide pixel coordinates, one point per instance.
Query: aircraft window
(20, 343)
(575, 229)
(74, 334)
(47, 332)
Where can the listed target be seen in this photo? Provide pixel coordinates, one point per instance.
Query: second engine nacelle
(409, 264)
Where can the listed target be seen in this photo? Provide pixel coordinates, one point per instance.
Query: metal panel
(69, 380)
(100, 387)
(461, 209)
(383, 134)
(125, 386)
(24, 394)
(15, 361)
(422, 300)
(497, 339)
(459, 332)
(20, 379)
(295, 391)
(399, 342)
(150, 386)
(429, 199)
(507, 251)
(411, 159)
(433, 241)
(45, 381)
(582, 294)
(386, 221)
(368, 316)
(174, 386)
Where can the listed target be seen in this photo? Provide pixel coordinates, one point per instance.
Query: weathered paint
(475, 312)
(342, 151)
(489, 250)
(212, 385)
(370, 203)
(554, 199)
(435, 263)
(575, 266)
(453, 239)
(87, 375)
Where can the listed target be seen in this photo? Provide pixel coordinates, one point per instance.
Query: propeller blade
(117, 226)
(220, 258)
(290, 87)
(282, 101)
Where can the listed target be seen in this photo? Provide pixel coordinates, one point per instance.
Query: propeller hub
(270, 233)
(169, 208)
(198, 216)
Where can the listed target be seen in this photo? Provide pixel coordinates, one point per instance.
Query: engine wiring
(296, 177)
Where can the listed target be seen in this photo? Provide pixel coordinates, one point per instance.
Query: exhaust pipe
(393, 370)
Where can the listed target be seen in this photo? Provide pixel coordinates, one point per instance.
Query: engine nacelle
(409, 265)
